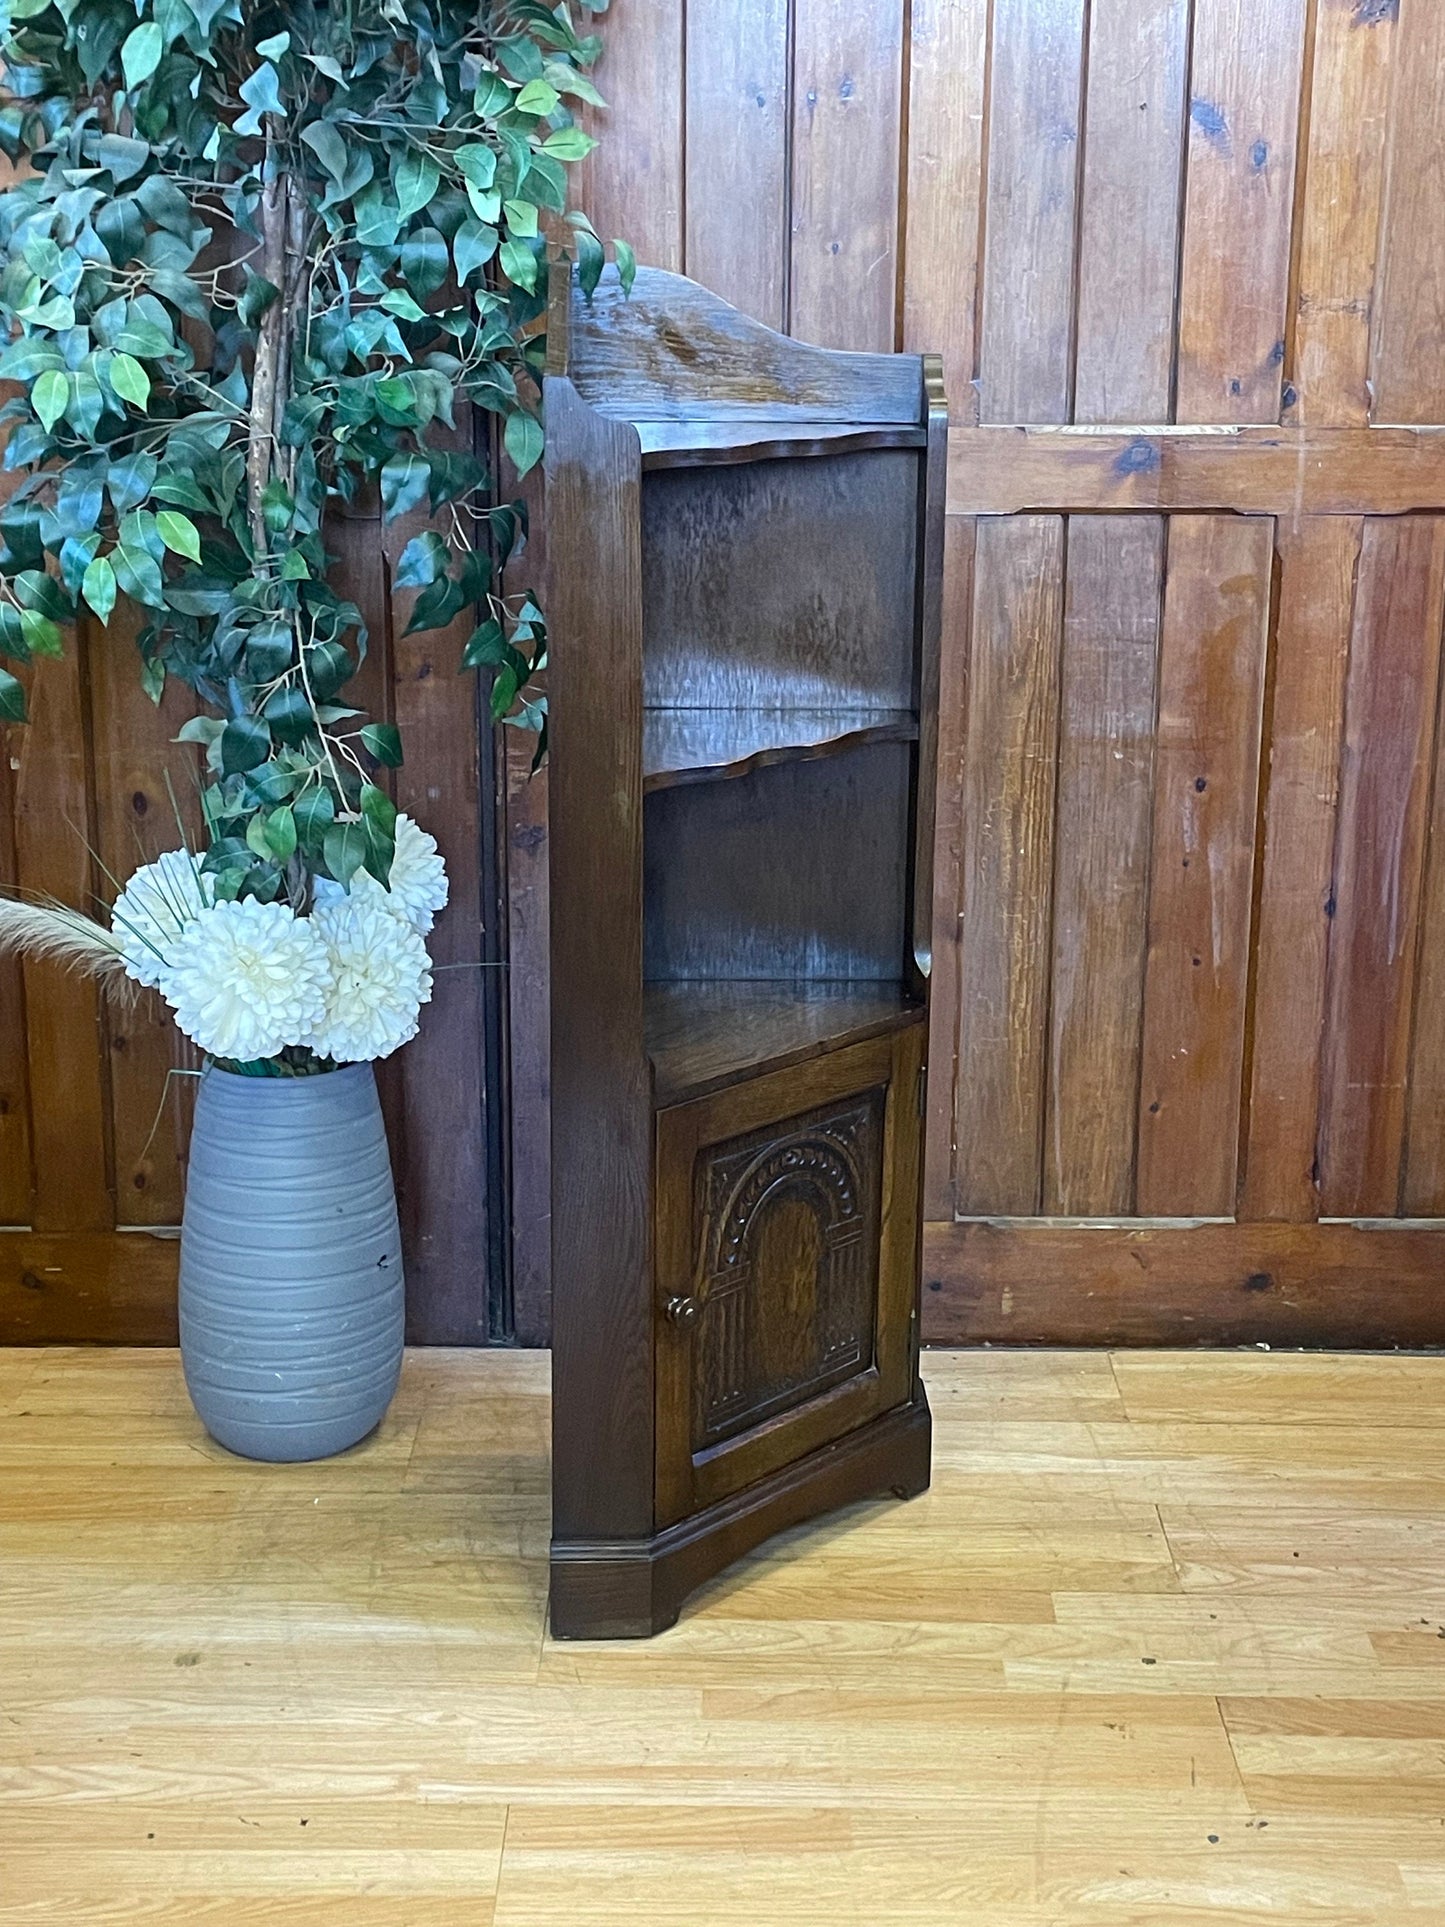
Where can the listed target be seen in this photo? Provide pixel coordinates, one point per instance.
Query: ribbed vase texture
(291, 1279)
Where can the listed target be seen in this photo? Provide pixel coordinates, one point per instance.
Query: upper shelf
(700, 444)
(708, 745)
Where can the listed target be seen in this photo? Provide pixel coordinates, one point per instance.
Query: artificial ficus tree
(261, 254)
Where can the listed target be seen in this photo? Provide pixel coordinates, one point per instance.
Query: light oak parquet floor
(1164, 1645)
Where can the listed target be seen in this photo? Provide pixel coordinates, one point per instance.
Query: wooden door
(787, 1255)
(1184, 261)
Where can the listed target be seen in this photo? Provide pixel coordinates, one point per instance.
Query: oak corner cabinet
(744, 561)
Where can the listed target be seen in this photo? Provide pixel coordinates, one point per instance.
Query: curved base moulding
(633, 1589)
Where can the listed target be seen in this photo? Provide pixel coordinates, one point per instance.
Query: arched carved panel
(788, 1235)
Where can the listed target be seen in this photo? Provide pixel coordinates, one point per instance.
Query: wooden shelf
(704, 1036)
(699, 444)
(710, 745)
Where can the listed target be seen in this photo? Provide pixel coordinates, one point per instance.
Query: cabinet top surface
(674, 352)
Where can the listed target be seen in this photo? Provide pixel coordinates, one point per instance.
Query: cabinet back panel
(781, 583)
(798, 870)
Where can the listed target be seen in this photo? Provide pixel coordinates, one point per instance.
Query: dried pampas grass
(57, 934)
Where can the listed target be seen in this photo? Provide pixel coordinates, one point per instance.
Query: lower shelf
(703, 1035)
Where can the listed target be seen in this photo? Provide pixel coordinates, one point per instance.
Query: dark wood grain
(1206, 792)
(779, 584)
(1129, 210)
(88, 1288)
(798, 870)
(710, 745)
(632, 182)
(701, 1036)
(1355, 1286)
(670, 352)
(741, 957)
(1317, 564)
(64, 1015)
(1390, 716)
(1025, 350)
(1239, 193)
(602, 1316)
(16, 1174)
(1101, 861)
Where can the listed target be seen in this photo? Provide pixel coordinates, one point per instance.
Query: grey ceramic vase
(291, 1277)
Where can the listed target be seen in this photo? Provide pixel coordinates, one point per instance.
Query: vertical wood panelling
(15, 1173)
(440, 1164)
(737, 154)
(1409, 368)
(958, 565)
(1340, 212)
(632, 182)
(1211, 678)
(1243, 111)
(945, 157)
(65, 1028)
(1390, 715)
(135, 820)
(1305, 723)
(1026, 350)
(847, 117)
(1008, 818)
(1101, 861)
(1129, 217)
(1422, 1193)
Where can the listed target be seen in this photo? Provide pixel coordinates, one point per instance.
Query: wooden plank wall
(1184, 262)
(92, 1132)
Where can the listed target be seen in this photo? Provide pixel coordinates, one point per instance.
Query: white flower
(247, 979)
(155, 909)
(417, 889)
(379, 979)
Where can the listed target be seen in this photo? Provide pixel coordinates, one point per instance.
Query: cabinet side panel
(601, 1101)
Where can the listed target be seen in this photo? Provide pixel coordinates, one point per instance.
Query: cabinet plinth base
(631, 1589)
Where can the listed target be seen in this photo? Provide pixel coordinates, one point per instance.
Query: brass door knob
(682, 1311)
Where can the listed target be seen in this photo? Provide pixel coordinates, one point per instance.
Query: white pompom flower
(247, 979)
(379, 978)
(155, 909)
(417, 888)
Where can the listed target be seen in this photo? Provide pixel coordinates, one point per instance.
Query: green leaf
(478, 165)
(289, 715)
(328, 147)
(179, 533)
(130, 480)
(314, 813)
(139, 575)
(416, 181)
(42, 636)
(473, 246)
(521, 219)
(98, 587)
(344, 847)
(568, 144)
(423, 559)
(537, 97)
(12, 699)
(492, 97)
(245, 744)
(590, 262)
(280, 830)
(129, 380)
(487, 646)
(141, 54)
(519, 264)
(50, 397)
(383, 741)
(404, 483)
(626, 265)
(524, 441)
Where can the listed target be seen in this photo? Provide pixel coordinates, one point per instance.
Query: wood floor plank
(1164, 1643)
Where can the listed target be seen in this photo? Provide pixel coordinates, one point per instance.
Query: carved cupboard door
(786, 1225)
